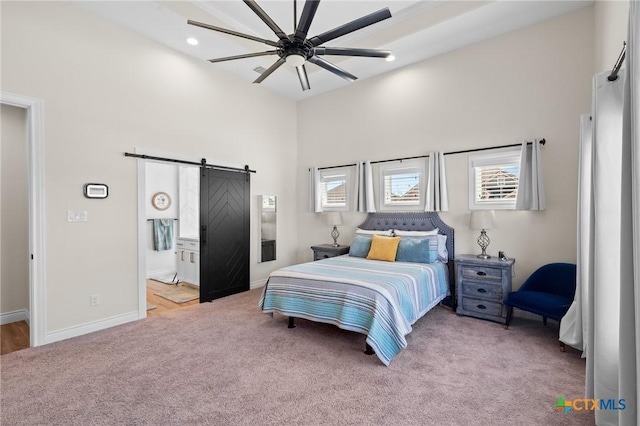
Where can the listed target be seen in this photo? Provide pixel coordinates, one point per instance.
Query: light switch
(76, 215)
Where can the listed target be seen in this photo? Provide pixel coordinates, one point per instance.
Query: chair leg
(544, 320)
(562, 348)
(509, 316)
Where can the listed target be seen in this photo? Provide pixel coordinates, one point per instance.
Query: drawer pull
(481, 273)
(481, 290)
(326, 256)
(482, 307)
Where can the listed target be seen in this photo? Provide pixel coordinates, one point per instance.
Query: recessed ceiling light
(192, 41)
(390, 58)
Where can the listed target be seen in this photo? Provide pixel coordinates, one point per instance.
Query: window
(335, 189)
(493, 180)
(402, 186)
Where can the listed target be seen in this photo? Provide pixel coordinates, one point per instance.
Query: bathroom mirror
(267, 250)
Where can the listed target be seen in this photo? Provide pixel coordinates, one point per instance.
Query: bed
(379, 299)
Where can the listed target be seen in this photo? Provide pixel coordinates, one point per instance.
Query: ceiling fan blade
(347, 51)
(308, 13)
(333, 68)
(231, 32)
(352, 26)
(269, 70)
(302, 75)
(266, 19)
(248, 55)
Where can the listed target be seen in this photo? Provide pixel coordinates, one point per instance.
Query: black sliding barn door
(224, 234)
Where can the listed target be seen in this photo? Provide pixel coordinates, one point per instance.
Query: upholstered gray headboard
(418, 221)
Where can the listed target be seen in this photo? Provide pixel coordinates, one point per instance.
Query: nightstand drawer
(317, 255)
(480, 306)
(482, 273)
(484, 290)
(325, 251)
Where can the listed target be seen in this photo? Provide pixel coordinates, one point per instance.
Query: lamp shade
(334, 218)
(483, 219)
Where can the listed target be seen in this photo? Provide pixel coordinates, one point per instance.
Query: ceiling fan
(296, 49)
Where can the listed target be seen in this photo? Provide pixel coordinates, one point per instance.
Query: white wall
(161, 177)
(14, 213)
(107, 91)
(532, 83)
(611, 23)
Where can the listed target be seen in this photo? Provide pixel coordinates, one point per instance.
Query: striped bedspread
(379, 299)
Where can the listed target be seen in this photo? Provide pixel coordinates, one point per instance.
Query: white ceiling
(417, 30)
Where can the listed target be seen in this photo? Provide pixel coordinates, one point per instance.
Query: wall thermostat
(96, 190)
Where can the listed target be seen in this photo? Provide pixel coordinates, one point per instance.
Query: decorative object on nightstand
(483, 220)
(335, 219)
(482, 285)
(325, 251)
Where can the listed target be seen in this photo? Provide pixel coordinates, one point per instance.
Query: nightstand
(482, 285)
(325, 251)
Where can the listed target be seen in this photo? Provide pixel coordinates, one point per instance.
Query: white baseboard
(161, 272)
(258, 283)
(14, 316)
(91, 327)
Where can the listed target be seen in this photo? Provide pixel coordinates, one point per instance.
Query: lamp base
(483, 242)
(335, 234)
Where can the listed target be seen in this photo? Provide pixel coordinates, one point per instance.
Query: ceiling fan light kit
(296, 49)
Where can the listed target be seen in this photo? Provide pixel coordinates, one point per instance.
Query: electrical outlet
(95, 299)
(76, 215)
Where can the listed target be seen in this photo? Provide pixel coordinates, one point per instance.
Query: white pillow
(386, 233)
(399, 233)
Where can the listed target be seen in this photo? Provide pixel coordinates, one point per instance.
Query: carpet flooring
(226, 363)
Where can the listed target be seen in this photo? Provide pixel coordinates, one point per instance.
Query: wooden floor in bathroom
(161, 304)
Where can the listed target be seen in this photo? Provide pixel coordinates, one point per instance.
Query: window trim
(348, 174)
(403, 167)
(495, 159)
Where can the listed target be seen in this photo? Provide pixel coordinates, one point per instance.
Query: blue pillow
(420, 250)
(360, 246)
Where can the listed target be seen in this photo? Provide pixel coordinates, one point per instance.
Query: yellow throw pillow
(383, 248)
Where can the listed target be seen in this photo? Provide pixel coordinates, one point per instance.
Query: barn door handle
(203, 237)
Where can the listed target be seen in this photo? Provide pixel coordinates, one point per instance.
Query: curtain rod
(202, 163)
(614, 72)
(542, 142)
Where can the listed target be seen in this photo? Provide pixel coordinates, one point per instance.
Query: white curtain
(364, 176)
(437, 197)
(530, 195)
(315, 197)
(608, 292)
(573, 327)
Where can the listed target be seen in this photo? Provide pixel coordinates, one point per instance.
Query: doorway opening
(32, 268)
(170, 206)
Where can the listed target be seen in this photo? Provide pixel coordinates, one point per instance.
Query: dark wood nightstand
(482, 285)
(325, 251)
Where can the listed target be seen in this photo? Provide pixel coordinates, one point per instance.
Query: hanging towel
(162, 234)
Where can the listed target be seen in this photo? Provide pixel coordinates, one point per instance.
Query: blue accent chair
(548, 292)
